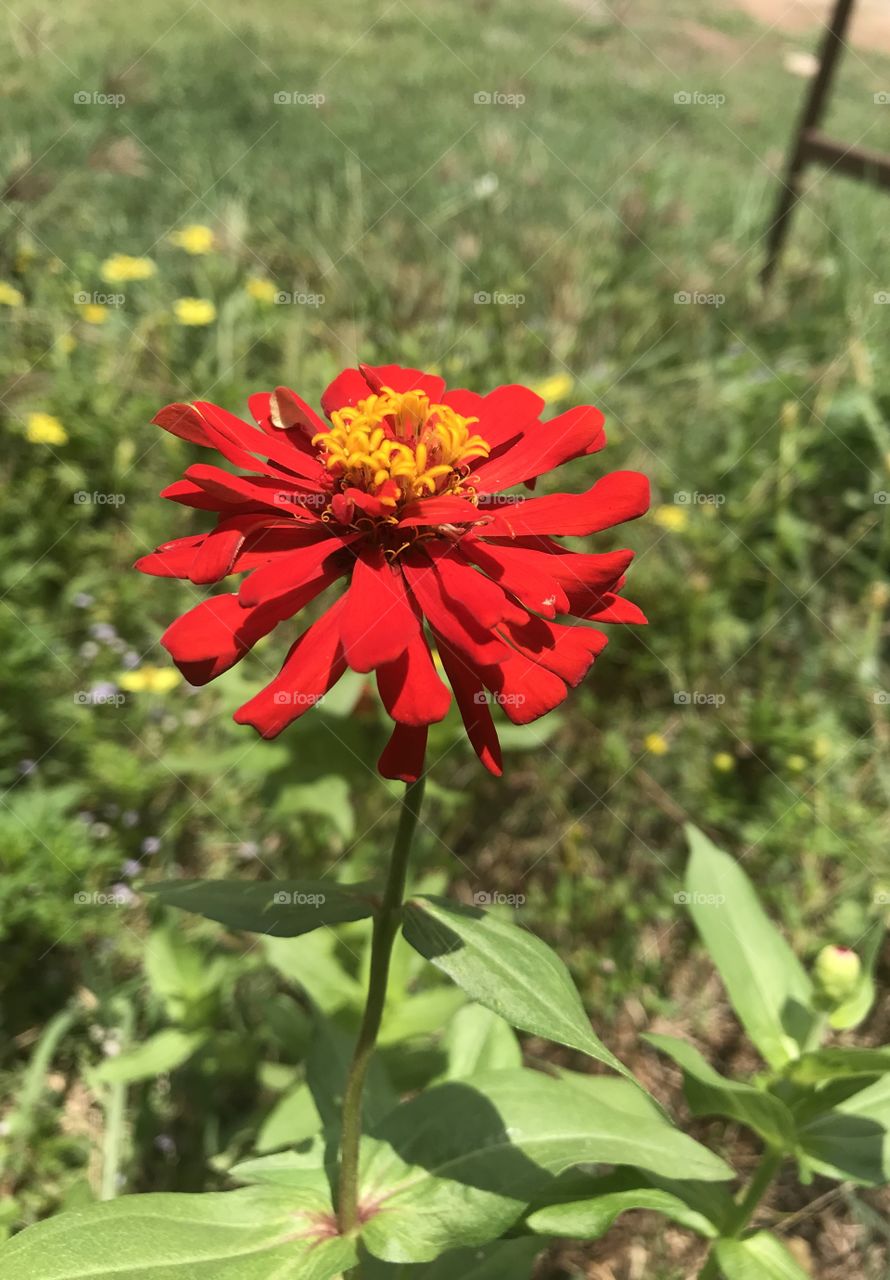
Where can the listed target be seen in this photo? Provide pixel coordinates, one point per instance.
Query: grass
(596, 200)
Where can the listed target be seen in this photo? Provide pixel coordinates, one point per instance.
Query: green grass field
(342, 155)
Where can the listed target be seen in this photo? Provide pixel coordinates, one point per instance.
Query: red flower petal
(313, 666)
(291, 569)
(472, 702)
(347, 389)
(567, 651)
(542, 447)
(506, 412)
(612, 608)
(172, 560)
(453, 619)
(399, 379)
(524, 690)
(379, 621)
(215, 634)
(446, 509)
(619, 496)
(523, 573)
(410, 688)
(403, 756)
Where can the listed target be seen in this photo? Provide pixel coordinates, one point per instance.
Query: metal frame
(811, 146)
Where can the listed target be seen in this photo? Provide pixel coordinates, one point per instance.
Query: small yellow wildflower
(671, 517)
(194, 311)
(723, 762)
(260, 289)
(121, 268)
(656, 744)
(43, 428)
(149, 680)
(10, 296)
(66, 343)
(195, 238)
(555, 388)
(797, 763)
(821, 748)
(94, 313)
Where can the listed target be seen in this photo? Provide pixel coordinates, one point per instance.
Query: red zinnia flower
(398, 493)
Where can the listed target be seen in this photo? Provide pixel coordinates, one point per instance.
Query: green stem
(747, 1205)
(386, 926)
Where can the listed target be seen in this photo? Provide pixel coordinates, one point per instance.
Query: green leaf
(759, 1257)
(258, 1233)
(327, 1067)
(154, 1057)
(458, 1164)
(838, 1063)
(313, 963)
(282, 908)
(766, 983)
(710, 1094)
(506, 969)
(851, 1140)
(326, 797)
(591, 1218)
(857, 1008)
(478, 1040)
(294, 1118)
(422, 1014)
(503, 1260)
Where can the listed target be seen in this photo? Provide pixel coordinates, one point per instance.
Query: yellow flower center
(399, 447)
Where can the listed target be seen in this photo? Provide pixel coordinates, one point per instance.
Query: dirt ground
(870, 27)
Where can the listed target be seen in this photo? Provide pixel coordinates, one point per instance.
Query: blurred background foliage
(753, 703)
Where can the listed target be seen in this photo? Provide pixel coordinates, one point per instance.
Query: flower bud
(836, 972)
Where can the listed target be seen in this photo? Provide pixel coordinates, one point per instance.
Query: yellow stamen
(398, 446)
